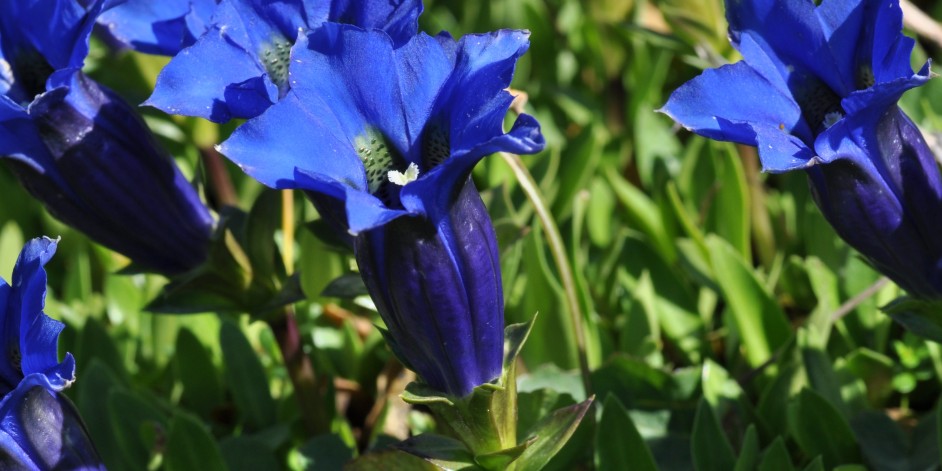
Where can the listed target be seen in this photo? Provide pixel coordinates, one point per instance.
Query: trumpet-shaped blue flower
(818, 91)
(158, 27)
(39, 428)
(84, 152)
(239, 67)
(383, 138)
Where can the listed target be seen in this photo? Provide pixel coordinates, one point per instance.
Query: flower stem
(218, 177)
(558, 250)
(307, 389)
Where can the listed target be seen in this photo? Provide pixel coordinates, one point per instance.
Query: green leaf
(624, 450)
(881, 441)
(711, 449)
(246, 378)
(643, 213)
(550, 435)
(325, 452)
(97, 382)
(191, 447)
(819, 429)
(138, 425)
(247, 454)
(760, 321)
(923, 318)
(749, 453)
(776, 457)
(202, 388)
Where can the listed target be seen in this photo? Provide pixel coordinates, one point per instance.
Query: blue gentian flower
(161, 27)
(39, 427)
(383, 139)
(84, 152)
(818, 91)
(239, 67)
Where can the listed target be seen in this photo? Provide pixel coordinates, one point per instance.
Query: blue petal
(163, 27)
(474, 100)
(35, 334)
(295, 134)
(792, 35)
(399, 18)
(237, 87)
(780, 151)
(721, 104)
(884, 47)
(59, 30)
(362, 211)
(371, 84)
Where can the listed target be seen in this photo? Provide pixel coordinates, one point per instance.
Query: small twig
(310, 394)
(916, 20)
(852, 303)
(219, 178)
(287, 229)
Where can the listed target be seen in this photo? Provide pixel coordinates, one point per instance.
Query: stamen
(399, 178)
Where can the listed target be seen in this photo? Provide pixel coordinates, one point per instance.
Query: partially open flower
(818, 91)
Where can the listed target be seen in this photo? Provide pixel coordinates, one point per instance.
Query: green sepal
(485, 420)
(921, 317)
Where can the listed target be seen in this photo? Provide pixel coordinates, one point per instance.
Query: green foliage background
(717, 325)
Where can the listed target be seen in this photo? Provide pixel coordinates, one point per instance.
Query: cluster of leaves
(723, 326)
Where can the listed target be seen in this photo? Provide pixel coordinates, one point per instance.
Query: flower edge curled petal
(717, 104)
(38, 333)
(430, 195)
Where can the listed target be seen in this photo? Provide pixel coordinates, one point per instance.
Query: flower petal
(236, 90)
(399, 18)
(163, 27)
(295, 135)
(723, 103)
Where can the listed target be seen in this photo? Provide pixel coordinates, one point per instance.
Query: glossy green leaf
(246, 378)
(191, 447)
(202, 387)
(776, 457)
(711, 449)
(760, 321)
(819, 429)
(625, 450)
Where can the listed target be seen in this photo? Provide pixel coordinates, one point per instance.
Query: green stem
(309, 393)
(558, 250)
